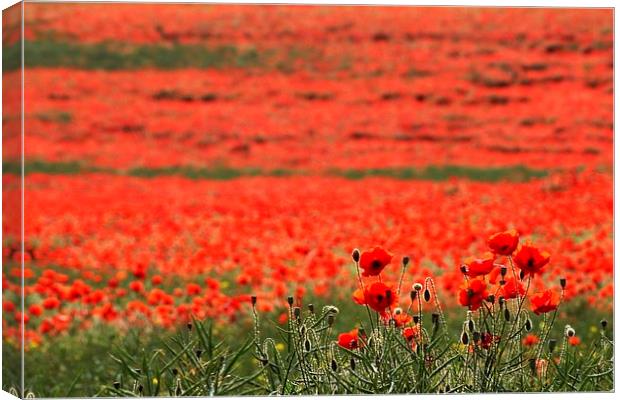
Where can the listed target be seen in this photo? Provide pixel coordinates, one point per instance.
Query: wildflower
(574, 341)
(479, 266)
(487, 339)
(473, 293)
(377, 296)
(349, 340)
(544, 302)
(512, 289)
(530, 259)
(530, 340)
(51, 303)
(504, 243)
(401, 318)
(35, 310)
(374, 261)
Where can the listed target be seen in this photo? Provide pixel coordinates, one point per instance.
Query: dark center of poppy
(379, 298)
(530, 262)
(376, 264)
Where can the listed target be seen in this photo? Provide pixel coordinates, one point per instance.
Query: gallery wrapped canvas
(236, 200)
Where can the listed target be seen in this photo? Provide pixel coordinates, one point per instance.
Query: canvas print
(254, 200)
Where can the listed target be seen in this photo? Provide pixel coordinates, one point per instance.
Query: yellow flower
(280, 346)
(155, 381)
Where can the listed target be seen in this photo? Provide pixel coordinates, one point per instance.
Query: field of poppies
(205, 172)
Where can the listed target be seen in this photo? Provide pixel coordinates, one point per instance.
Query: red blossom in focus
(374, 261)
(530, 259)
(544, 302)
(504, 243)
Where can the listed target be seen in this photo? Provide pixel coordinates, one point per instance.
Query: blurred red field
(304, 90)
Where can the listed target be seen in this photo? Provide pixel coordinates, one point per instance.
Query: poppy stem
(359, 278)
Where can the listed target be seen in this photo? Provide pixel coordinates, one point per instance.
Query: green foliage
(518, 173)
(115, 56)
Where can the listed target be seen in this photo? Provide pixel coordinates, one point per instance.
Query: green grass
(518, 173)
(115, 56)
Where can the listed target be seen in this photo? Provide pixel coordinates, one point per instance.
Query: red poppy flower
(359, 297)
(487, 339)
(530, 340)
(480, 266)
(372, 262)
(530, 259)
(544, 302)
(401, 318)
(504, 243)
(51, 303)
(513, 289)
(349, 340)
(157, 279)
(473, 294)
(412, 335)
(574, 341)
(35, 310)
(380, 296)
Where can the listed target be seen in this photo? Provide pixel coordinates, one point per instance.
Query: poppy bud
(470, 325)
(447, 387)
(297, 312)
(352, 363)
(307, 345)
(464, 269)
(417, 286)
(289, 300)
(570, 332)
(507, 314)
(464, 338)
(330, 320)
(189, 326)
(502, 282)
(476, 337)
(311, 308)
(416, 319)
(427, 295)
(303, 330)
(533, 365)
(503, 270)
(198, 353)
(501, 301)
(522, 275)
(175, 371)
(491, 298)
(355, 255)
(405, 261)
(177, 392)
(563, 283)
(334, 365)
(140, 389)
(435, 318)
(413, 294)
(138, 371)
(398, 311)
(552, 343)
(603, 323)
(264, 361)
(253, 298)
(528, 324)
(117, 385)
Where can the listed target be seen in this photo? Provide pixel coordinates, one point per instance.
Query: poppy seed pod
(253, 298)
(501, 301)
(502, 282)
(416, 319)
(330, 319)
(563, 283)
(289, 300)
(471, 325)
(307, 345)
(528, 324)
(522, 275)
(352, 363)
(189, 326)
(464, 338)
(552, 344)
(603, 323)
(464, 269)
(570, 332)
(398, 311)
(491, 298)
(507, 314)
(334, 365)
(297, 312)
(503, 270)
(405, 261)
(427, 295)
(355, 255)
(311, 308)
(417, 286)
